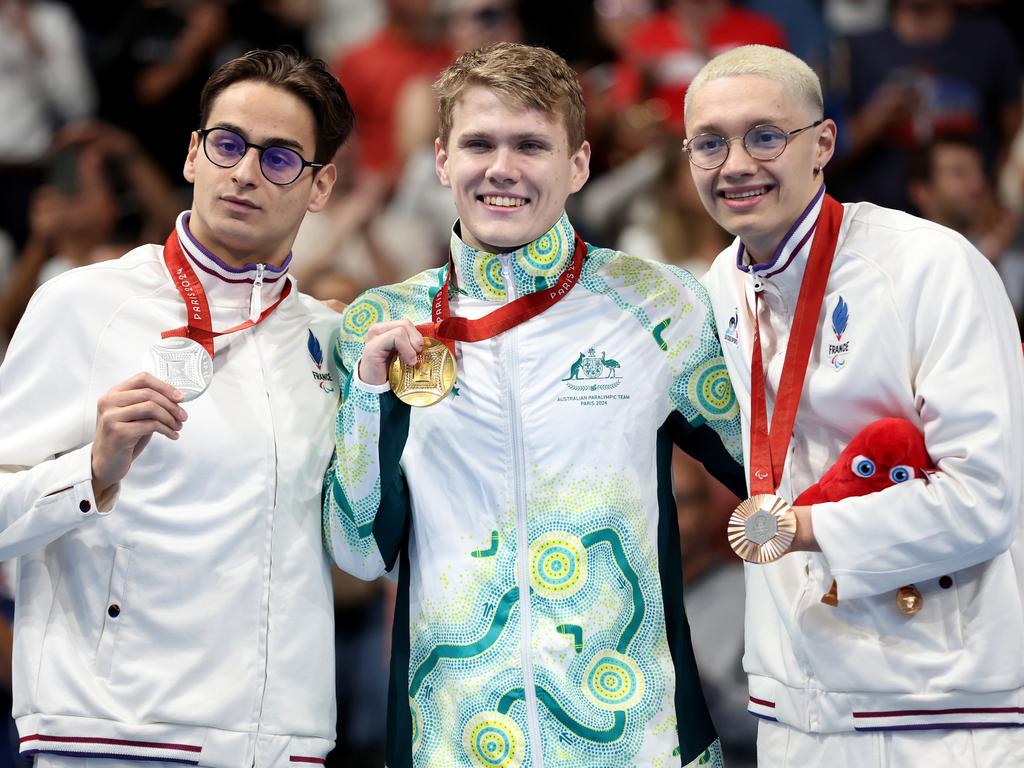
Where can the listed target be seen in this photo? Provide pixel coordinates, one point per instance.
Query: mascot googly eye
(862, 466)
(901, 474)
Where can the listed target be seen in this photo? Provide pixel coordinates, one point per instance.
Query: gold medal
(762, 528)
(429, 381)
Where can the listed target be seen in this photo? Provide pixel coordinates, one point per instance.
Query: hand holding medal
(127, 416)
(422, 370)
(429, 380)
(419, 368)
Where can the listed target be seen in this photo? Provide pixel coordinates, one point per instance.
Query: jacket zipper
(256, 297)
(269, 568)
(522, 530)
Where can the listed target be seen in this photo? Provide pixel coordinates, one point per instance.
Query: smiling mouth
(746, 193)
(503, 201)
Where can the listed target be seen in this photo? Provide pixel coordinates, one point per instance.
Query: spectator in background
(477, 23)
(665, 52)
(929, 72)
(409, 45)
(44, 81)
(152, 68)
(341, 24)
(617, 132)
(855, 17)
(669, 224)
(107, 197)
(803, 24)
(946, 183)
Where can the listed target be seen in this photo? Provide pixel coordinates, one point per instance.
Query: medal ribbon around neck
(768, 450)
(197, 307)
(448, 329)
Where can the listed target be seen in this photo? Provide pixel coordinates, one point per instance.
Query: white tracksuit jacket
(915, 324)
(219, 651)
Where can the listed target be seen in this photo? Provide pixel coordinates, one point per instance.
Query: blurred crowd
(98, 101)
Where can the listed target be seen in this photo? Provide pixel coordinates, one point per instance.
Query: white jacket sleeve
(47, 425)
(965, 368)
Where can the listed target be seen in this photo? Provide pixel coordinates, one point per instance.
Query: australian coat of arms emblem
(589, 366)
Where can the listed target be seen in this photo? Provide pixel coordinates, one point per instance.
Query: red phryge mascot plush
(884, 453)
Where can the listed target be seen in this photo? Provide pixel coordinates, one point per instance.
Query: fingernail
(177, 394)
(182, 414)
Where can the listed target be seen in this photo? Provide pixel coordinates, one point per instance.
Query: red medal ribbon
(197, 307)
(768, 450)
(448, 329)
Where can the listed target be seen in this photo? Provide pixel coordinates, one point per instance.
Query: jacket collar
(785, 270)
(534, 267)
(228, 286)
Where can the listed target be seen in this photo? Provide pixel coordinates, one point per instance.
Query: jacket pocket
(114, 610)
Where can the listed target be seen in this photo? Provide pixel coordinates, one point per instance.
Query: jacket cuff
(832, 534)
(69, 486)
(376, 389)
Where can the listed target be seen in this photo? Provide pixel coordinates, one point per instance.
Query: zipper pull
(256, 298)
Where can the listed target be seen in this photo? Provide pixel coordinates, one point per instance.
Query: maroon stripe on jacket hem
(958, 711)
(102, 740)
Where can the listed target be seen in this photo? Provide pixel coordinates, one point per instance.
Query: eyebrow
(516, 137)
(272, 141)
(712, 128)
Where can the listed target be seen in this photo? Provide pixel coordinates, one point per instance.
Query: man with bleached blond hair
(917, 659)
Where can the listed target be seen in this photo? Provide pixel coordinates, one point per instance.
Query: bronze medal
(429, 381)
(762, 528)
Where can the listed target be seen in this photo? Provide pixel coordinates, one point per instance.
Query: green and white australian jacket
(530, 514)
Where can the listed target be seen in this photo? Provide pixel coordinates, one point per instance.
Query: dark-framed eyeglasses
(280, 165)
(762, 142)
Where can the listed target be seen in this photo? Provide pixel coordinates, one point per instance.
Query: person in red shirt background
(410, 44)
(664, 52)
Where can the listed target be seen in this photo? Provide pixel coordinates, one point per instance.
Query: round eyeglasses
(279, 165)
(762, 142)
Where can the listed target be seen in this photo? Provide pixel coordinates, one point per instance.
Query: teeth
(741, 195)
(504, 202)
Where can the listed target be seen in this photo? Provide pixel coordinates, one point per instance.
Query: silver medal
(183, 363)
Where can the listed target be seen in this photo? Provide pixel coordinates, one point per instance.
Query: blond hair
(530, 76)
(764, 61)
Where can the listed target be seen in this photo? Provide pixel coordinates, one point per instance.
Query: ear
(189, 171)
(323, 183)
(580, 166)
(441, 163)
(826, 146)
